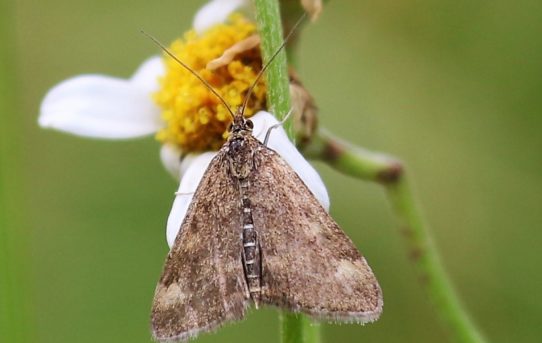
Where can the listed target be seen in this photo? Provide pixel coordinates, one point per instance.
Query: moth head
(247, 126)
(240, 124)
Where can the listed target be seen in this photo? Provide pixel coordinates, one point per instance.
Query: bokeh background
(451, 87)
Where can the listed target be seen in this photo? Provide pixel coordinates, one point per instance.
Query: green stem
(270, 28)
(12, 299)
(389, 172)
(296, 328)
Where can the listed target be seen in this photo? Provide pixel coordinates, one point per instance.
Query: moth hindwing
(254, 233)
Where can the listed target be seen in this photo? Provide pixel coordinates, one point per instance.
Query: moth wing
(202, 285)
(308, 263)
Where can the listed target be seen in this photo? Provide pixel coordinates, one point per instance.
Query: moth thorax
(241, 156)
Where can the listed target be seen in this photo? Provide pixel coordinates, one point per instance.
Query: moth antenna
(166, 50)
(286, 39)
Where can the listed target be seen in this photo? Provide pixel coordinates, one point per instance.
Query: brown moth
(255, 234)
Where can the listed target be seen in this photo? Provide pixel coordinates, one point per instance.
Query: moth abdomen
(251, 246)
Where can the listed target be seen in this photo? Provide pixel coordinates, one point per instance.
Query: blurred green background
(451, 87)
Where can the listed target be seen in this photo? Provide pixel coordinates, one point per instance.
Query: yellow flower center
(196, 120)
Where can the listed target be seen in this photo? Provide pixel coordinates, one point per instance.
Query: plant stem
(295, 327)
(389, 172)
(12, 300)
(298, 328)
(270, 28)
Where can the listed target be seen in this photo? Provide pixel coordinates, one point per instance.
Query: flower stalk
(295, 328)
(270, 28)
(390, 173)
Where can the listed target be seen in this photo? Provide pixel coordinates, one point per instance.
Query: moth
(255, 234)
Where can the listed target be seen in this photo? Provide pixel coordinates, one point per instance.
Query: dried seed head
(305, 111)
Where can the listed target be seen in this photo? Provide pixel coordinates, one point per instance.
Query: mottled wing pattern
(309, 264)
(203, 285)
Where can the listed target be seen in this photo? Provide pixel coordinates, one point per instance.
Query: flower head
(164, 99)
(196, 120)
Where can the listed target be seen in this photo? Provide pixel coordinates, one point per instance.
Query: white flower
(104, 107)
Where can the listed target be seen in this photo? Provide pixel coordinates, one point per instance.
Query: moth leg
(268, 133)
(184, 193)
(243, 259)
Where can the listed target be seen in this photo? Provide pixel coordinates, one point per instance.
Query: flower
(164, 99)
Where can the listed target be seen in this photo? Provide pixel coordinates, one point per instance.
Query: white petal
(100, 107)
(215, 12)
(196, 165)
(171, 159)
(146, 76)
(278, 141)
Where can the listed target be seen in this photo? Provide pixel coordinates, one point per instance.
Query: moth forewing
(203, 285)
(308, 263)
